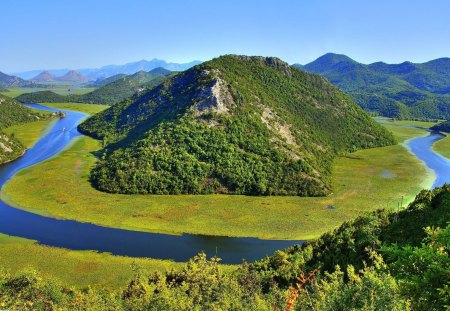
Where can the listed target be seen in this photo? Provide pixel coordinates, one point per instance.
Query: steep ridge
(236, 124)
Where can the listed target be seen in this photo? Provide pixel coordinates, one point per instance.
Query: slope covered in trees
(11, 113)
(109, 94)
(236, 124)
(405, 90)
(442, 127)
(381, 261)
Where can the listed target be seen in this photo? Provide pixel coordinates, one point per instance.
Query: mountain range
(118, 88)
(406, 90)
(111, 70)
(12, 81)
(235, 124)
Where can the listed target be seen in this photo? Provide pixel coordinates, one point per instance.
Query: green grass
(28, 133)
(14, 92)
(358, 182)
(74, 268)
(86, 108)
(443, 146)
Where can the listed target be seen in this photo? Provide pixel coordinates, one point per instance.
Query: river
(85, 236)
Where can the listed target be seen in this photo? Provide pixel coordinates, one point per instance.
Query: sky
(45, 34)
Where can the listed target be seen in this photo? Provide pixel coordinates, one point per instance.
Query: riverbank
(364, 181)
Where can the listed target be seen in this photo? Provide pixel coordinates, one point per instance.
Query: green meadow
(74, 268)
(363, 181)
(59, 89)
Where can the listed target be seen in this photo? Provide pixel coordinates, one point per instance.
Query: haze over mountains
(111, 70)
(405, 90)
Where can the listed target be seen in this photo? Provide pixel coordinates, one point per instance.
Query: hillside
(404, 90)
(442, 127)
(380, 261)
(11, 113)
(236, 124)
(108, 94)
(101, 82)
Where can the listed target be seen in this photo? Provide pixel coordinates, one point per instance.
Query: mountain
(131, 68)
(11, 113)
(405, 90)
(44, 76)
(12, 81)
(111, 70)
(236, 124)
(73, 76)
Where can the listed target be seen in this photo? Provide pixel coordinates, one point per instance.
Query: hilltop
(236, 124)
(405, 90)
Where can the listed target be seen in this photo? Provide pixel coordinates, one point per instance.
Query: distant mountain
(12, 81)
(111, 70)
(405, 90)
(44, 76)
(109, 94)
(73, 76)
(236, 124)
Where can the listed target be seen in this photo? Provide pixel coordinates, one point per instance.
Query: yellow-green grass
(14, 92)
(86, 108)
(28, 133)
(75, 268)
(364, 181)
(443, 146)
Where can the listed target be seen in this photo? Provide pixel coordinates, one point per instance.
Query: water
(421, 147)
(84, 236)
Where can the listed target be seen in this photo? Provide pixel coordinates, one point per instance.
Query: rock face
(236, 124)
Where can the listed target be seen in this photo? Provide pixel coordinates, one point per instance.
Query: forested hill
(236, 124)
(405, 90)
(118, 89)
(11, 113)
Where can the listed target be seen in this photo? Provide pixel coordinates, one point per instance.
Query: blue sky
(78, 34)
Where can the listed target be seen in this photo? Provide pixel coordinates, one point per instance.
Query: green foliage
(404, 91)
(11, 113)
(236, 124)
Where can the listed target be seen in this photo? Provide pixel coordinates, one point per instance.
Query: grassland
(86, 108)
(363, 181)
(14, 92)
(75, 268)
(28, 133)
